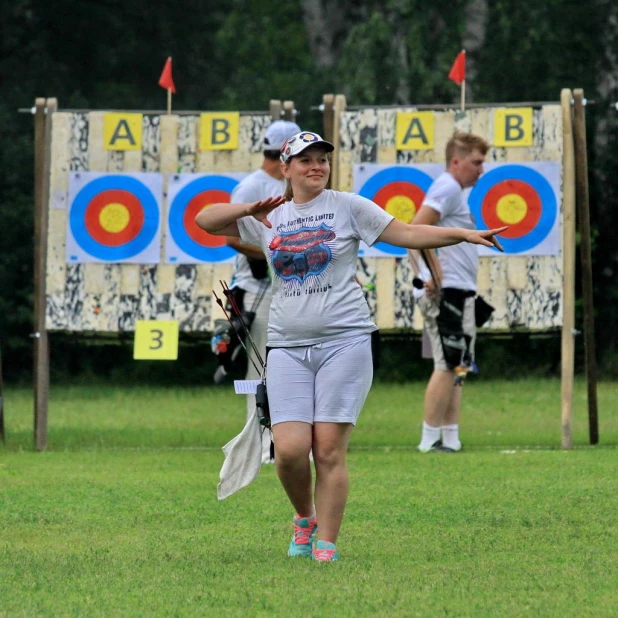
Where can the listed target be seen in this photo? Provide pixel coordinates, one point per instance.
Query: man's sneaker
(325, 552)
(436, 446)
(305, 529)
(448, 449)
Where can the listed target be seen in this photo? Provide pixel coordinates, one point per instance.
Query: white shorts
(325, 382)
(430, 309)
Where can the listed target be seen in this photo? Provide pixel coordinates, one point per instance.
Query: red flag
(458, 70)
(166, 81)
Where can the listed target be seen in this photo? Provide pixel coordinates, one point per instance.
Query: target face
(189, 194)
(398, 189)
(114, 218)
(525, 199)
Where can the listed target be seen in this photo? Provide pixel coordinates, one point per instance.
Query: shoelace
(324, 554)
(302, 535)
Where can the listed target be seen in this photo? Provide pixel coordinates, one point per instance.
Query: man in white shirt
(251, 278)
(448, 303)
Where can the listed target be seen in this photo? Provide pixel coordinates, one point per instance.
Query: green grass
(120, 518)
(495, 414)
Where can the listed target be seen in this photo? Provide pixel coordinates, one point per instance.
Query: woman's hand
(486, 237)
(261, 209)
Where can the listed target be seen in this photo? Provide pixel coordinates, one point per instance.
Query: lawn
(120, 517)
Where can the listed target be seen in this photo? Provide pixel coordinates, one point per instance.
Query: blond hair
(463, 144)
(289, 192)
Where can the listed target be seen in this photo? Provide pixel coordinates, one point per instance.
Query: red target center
(113, 198)
(195, 205)
(401, 198)
(521, 193)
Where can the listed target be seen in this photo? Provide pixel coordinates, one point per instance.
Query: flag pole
(463, 84)
(458, 75)
(166, 81)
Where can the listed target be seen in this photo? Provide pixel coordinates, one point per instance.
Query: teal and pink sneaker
(325, 552)
(305, 529)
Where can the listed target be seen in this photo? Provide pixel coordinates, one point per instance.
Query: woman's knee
(290, 454)
(328, 457)
(292, 442)
(330, 444)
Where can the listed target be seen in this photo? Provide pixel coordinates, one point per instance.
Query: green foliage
(269, 52)
(241, 53)
(534, 49)
(16, 237)
(503, 357)
(401, 53)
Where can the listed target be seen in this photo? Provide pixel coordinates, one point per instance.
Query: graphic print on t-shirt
(302, 253)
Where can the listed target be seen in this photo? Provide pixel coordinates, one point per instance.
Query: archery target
(188, 194)
(398, 189)
(114, 218)
(524, 197)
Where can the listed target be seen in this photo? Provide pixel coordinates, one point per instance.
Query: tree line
(238, 54)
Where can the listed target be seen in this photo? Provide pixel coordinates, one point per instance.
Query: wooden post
(328, 120)
(275, 109)
(2, 434)
(583, 213)
(568, 256)
(338, 108)
(328, 102)
(288, 111)
(42, 165)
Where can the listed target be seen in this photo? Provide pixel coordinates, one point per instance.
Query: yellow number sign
(415, 130)
(122, 131)
(156, 340)
(513, 127)
(219, 130)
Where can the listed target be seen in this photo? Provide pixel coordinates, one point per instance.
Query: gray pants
(430, 308)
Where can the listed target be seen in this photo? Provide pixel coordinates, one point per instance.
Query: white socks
(449, 434)
(450, 437)
(430, 436)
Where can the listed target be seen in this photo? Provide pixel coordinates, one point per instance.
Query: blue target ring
(84, 199)
(389, 183)
(178, 225)
(478, 202)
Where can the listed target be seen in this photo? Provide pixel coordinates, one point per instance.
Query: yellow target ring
(114, 218)
(511, 208)
(401, 207)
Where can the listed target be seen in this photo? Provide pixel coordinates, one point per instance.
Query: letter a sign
(415, 130)
(513, 127)
(122, 131)
(219, 131)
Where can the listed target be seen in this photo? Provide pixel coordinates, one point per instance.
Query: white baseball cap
(278, 132)
(297, 143)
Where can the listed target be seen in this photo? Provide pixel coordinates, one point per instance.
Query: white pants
(259, 334)
(325, 382)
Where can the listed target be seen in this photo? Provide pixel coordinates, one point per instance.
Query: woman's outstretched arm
(433, 237)
(220, 219)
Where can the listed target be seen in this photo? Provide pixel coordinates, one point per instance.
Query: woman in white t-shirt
(319, 368)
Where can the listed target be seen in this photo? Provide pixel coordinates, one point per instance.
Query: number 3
(157, 339)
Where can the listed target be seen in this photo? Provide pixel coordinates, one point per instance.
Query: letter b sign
(219, 130)
(513, 127)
